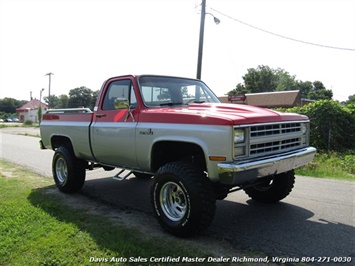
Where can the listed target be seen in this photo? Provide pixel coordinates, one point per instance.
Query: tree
(285, 81)
(52, 101)
(63, 101)
(305, 87)
(351, 99)
(266, 79)
(39, 114)
(261, 79)
(80, 97)
(9, 105)
(319, 92)
(240, 89)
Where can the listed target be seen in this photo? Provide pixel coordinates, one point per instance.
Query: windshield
(169, 91)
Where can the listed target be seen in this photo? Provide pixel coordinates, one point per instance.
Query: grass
(36, 228)
(331, 165)
(6, 125)
(2, 125)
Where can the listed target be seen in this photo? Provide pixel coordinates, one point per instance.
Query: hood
(217, 114)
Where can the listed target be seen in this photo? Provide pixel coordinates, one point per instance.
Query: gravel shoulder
(18, 130)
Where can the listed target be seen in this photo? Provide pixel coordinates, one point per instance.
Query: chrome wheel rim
(173, 201)
(61, 170)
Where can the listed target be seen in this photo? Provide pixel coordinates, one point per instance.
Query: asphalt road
(316, 220)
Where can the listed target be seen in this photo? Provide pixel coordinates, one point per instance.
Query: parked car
(1, 120)
(8, 120)
(15, 119)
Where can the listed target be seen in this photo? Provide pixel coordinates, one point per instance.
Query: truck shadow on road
(280, 229)
(283, 229)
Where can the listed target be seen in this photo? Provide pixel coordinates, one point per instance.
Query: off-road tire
(183, 199)
(68, 171)
(272, 191)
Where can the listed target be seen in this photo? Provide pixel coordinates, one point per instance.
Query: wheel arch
(61, 141)
(165, 151)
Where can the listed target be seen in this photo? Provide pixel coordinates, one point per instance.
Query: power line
(282, 36)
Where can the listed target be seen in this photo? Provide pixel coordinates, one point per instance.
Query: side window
(119, 89)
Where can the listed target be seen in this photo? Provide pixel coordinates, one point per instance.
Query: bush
(332, 125)
(330, 164)
(28, 123)
(349, 163)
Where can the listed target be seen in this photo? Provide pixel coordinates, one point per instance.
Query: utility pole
(200, 45)
(49, 86)
(202, 30)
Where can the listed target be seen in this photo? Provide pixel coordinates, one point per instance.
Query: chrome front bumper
(237, 173)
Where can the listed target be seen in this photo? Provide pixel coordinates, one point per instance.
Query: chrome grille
(268, 130)
(274, 146)
(268, 139)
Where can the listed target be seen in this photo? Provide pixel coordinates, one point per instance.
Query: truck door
(113, 131)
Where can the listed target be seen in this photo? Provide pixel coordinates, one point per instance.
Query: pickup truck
(176, 130)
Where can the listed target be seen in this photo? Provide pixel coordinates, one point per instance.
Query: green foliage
(28, 123)
(285, 81)
(266, 79)
(261, 79)
(57, 102)
(9, 105)
(349, 163)
(319, 92)
(330, 165)
(52, 101)
(80, 97)
(4, 115)
(77, 97)
(351, 99)
(332, 125)
(39, 114)
(305, 87)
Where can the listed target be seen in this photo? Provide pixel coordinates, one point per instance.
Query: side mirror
(121, 103)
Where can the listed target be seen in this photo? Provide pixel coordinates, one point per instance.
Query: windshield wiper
(194, 101)
(170, 104)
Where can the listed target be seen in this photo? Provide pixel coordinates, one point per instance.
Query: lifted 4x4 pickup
(176, 129)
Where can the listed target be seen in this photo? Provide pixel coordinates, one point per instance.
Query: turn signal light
(217, 158)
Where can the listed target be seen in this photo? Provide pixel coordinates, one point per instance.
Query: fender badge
(147, 132)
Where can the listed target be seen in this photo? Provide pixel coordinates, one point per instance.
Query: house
(29, 111)
(285, 99)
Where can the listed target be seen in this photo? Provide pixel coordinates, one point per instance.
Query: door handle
(100, 115)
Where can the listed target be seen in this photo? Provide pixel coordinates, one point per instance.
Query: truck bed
(73, 124)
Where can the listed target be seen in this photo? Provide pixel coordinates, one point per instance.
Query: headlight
(304, 128)
(239, 151)
(239, 135)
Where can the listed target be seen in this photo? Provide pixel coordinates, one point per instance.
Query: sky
(83, 43)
